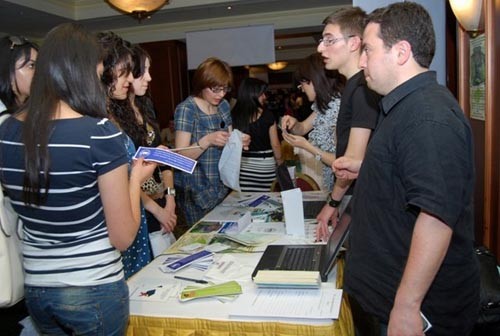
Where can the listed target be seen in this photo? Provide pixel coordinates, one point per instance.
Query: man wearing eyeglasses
(340, 48)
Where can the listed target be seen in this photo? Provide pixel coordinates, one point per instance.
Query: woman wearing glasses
(17, 65)
(203, 121)
(322, 87)
(258, 164)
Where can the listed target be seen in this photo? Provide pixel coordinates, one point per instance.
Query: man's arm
(430, 241)
(346, 168)
(356, 148)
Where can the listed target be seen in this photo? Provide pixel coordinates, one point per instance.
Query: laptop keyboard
(299, 259)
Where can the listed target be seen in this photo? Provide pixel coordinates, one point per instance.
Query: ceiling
(297, 22)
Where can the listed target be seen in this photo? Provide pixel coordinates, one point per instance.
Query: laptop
(311, 208)
(307, 257)
(284, 178)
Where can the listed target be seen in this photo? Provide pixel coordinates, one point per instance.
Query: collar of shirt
(395, 96)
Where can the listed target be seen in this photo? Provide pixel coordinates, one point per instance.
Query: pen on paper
(190, 279)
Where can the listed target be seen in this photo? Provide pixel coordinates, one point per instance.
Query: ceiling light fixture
(276, 66)
(138, 9)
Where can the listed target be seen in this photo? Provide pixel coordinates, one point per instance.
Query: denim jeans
(93, 310)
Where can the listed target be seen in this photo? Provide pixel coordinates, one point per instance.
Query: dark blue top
(419, 158)
(66, 240)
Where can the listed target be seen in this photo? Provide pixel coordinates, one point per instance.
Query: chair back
(306, 182)
(284, 181)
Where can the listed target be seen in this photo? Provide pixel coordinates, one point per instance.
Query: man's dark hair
(350, 20)
(407, 21)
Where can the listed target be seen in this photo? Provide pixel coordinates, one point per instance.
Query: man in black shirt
(411, 239)
(341, 49)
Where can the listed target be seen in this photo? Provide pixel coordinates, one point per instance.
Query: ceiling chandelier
(276, 66)
(138, 9)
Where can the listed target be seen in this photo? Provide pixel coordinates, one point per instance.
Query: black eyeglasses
(16, 41)
(219, 89)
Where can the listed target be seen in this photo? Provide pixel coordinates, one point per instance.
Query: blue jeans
(93, 310)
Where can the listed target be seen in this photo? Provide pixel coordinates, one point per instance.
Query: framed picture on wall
(477, 76)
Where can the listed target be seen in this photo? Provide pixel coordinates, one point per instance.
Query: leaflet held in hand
(166, 157)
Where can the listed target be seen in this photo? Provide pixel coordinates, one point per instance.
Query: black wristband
(331, 202)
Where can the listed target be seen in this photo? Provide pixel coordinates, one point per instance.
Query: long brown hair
(66, 71)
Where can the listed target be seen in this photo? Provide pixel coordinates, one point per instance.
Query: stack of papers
(289, 303)
(288, 279)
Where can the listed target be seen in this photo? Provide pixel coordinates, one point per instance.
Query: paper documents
(294, 212)
(290, 303)
(166, 157)
(151, 290)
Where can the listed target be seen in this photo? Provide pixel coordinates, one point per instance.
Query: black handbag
(490, 287)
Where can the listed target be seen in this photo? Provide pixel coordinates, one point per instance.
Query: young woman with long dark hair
(258, 164)
(64, 168)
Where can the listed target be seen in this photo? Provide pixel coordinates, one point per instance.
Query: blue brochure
(166, 157)
(186, 261)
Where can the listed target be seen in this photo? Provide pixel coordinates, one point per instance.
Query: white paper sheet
(294, 212)
(323, 303)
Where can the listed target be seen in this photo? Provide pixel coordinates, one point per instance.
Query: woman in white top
(322, 87)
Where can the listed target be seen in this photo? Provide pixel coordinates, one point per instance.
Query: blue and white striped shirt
(66, 240)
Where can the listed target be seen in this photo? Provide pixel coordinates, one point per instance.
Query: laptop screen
(336, 241)
(284, 178)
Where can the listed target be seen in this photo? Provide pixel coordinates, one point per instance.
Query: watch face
(318, 157)
(171, 191)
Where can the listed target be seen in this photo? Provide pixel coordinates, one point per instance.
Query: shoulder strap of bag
(7, 213)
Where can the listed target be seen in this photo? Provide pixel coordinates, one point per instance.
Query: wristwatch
(318, 156)
(331, 202)
(170, 191)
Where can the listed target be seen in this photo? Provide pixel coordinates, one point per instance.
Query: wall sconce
(276, 66)
(138, 9)
(469, 14)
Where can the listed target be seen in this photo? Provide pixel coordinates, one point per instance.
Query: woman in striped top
(64, 167)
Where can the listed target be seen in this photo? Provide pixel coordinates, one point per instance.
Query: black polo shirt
(419, 158)
(358, 108)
